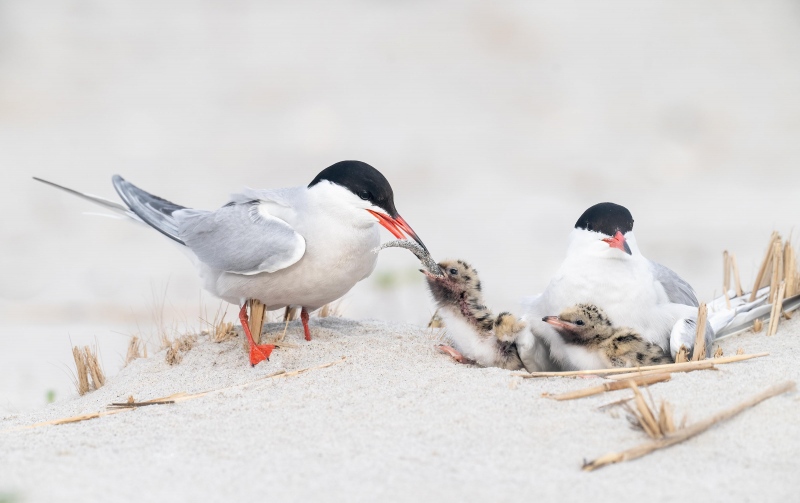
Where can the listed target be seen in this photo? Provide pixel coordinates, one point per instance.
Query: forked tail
(141, 206)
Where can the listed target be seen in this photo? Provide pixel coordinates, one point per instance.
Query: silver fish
(417, 250)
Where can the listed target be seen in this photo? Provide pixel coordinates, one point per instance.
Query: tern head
(583, 324)
(458, 280)
(606, 228)
(365, 188)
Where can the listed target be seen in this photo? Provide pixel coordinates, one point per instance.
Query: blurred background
(497, 124)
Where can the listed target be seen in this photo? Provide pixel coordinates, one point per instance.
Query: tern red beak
(619, 242)
(558, 322)
(397, 226)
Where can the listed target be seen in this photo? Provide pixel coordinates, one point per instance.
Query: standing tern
(605, 268)
(299, 247)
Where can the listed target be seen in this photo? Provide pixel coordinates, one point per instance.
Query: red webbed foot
(260, 352)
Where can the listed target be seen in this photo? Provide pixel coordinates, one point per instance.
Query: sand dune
(396, 420)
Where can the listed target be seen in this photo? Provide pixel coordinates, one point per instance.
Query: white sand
(398, 421)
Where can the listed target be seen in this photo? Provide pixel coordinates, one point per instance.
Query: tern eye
(365, 195)
(579, 323)
(454, 271)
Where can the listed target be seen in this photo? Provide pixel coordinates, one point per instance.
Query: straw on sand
(775, 314)
(678, 367)
(256, 320)
(93, 364)
(87, 366)
(612, 386)
(665, 367)
(699, 352)
(175, 398)
(766, 265)
(735, 266)
(134, 350)
(682, 355)
(656, 421)
(790, 274)
(82, 371)
(671, 438)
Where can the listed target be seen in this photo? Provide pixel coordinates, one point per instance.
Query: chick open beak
(397, 226)
(619, 242)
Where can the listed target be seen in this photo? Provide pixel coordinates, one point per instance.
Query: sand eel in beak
(478, 336)
(588, 326)
(604, 267)
(300, 247)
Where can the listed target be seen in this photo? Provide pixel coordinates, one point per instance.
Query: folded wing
(238, 238)
(678, 290)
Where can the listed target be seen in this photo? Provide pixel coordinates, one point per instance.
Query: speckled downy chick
(588, 326)
(477, 334)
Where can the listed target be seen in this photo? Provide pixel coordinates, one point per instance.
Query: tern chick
(477, 334)
(588, 326)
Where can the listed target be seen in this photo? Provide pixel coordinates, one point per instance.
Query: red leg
(258, 352)
(454, 354)
(304, 319)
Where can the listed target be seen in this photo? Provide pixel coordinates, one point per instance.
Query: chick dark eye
(579, 323)
(365, 195)
(454, 271)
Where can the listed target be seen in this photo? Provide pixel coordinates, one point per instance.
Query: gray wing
(238, 238)
(156, 212)
(678, 290)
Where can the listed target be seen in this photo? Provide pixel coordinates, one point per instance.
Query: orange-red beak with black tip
(397, 226)
(619, 242)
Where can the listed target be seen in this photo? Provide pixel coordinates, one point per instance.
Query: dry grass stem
(224, 331)
(134, 350)
(93, 364)
(736, 278)
(256, 319)
(790, 274)
(82, 371)
(685, 367)
(179, 347)
(718, 352)
(666, 367)
(173, 356)
(436, 321)
(699, 352)
(657, 422)
(685, 433)
(612, 386)
(289, 314)
(758, 325)
(174, 398)
(615, 403)
(87, 366)
(766, 264)
(682, 356)
(331, 309)
(777, 270)
(775, 315)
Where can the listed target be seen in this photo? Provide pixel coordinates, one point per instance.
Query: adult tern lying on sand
(300, 246)
(604, 267)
